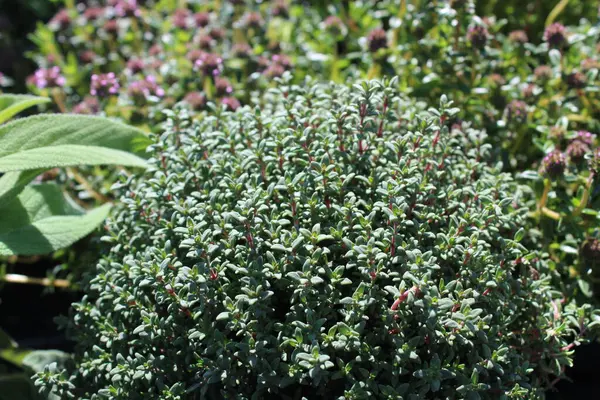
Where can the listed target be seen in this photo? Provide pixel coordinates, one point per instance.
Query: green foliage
(67, 156)
(59, 129)
(39, 219)
(333, 243)
(534, 92)
(11, 105)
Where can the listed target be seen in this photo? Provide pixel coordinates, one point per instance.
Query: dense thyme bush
(531, 87)
(334, 243)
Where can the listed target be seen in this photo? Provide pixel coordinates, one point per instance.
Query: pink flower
(377, 39)
(210, 64)
(231, 103)
(48, 78)
(202, 19)
(140, 91)
(555, 35)
(89, 105)
(104, 85)
(223, 86)
(196, 100)
(127, 8)
(180, 18)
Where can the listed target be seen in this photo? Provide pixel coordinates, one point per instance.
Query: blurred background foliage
(18, 18)
(535, 12)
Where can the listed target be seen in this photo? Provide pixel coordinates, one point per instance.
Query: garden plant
(345, 199)
(36, 217)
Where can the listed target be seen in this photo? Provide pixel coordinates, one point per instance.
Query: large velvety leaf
(50, 234)
(14, 355)
(62, 129)
(67, 155)
(12, 183)
(34, 204)
(36, 360)
(12, 104)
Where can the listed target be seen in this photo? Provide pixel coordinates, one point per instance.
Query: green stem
(550, 214)
(544, 198)
(207, 87)
(58, 96)
(18, 278)
(87, 186)
(585, 197)
(474, 68)
(335, 66)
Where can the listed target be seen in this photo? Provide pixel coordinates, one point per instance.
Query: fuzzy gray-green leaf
(12, 104)
(67, 156)
(62, 129)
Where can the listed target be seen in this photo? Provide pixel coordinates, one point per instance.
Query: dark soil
(27, 312)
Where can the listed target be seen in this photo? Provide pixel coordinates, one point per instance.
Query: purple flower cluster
(48, 78)
(93, 13)
(554, 164)
(202, 19)
(181, 18)
(241, 50)
(89, 105)
(140, 91)
(594, 162)
(543, 73)
(253, 20)
(127, 8)
(230, 103)
(516, 111)
(590, 250)
(104, 85)
(334, 25)
(209, 63)
(223, 87)
(280, 9)
(135, 65)
(518, 36)
(377, 40)
(276, 66)
(61, 20)
(580, 145)
(576, 80)
(576, 151)
(477, 35)
(196, 100)
(555, 35)
(584, 137)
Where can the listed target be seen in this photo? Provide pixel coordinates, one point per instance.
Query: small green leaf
(67, 156)
(12, 104)
(519, 235)
(555, 57)
(568, 249)
(223, 316)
